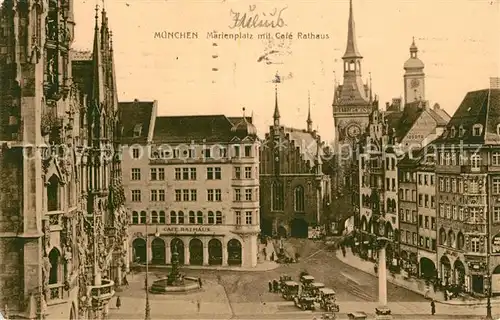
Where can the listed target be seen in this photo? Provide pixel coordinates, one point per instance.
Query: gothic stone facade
(44, 128)
(294, 190)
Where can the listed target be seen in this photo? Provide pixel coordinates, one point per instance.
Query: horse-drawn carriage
(290, 290)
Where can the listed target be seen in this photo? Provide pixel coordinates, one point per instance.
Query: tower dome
(244, 128)
(413, 62)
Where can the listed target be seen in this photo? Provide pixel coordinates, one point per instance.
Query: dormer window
(477, 129)
(137, 130)
(461, 131)
(452, 132)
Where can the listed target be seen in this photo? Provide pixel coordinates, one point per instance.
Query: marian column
(382, 311)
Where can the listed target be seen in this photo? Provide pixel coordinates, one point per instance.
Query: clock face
(353, 131)
(414, 83)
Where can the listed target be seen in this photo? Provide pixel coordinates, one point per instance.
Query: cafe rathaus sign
(186, 229)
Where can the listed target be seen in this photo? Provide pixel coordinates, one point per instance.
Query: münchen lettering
(175, 35)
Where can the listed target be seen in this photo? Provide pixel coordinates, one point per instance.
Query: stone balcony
(101, 294)
(55, 294)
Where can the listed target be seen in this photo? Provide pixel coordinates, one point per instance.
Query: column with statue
(382, 311)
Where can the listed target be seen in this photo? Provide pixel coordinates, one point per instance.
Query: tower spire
(309, 120)
(351, 50)
(98, 85)
(276, 115)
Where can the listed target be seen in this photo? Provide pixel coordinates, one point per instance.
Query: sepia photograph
(239, 160)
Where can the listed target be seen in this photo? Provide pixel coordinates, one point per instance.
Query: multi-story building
(468, 219)
(378, 186)
(402, 127)
(408, 217)
(427, 220)
(294, 190)
(61, 216)
(192, 186)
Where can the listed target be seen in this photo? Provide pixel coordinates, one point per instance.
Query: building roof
(409, 116)
(181, 129)
(481, 107)
(135, 120)
(307, 143)
(236, 120)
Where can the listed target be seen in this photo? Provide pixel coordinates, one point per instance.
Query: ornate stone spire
(351, 50)
(309, 120)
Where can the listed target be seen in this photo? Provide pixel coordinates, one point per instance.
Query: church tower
(414, 78)
(352, 100)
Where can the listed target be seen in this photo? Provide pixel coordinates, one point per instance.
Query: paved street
(241, 295)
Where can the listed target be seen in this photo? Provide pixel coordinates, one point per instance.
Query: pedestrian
(343, 251)
(118, 302)
(198, 305)
(270, 286)
(433, 307)
(199, 282)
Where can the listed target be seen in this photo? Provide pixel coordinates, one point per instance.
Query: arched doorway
(139, 250)
(196, 252)
(459, 273)
(158, 251)
(54, 256)
(266, 227)
(445, 269)
(427, 268)
(300, 228)
(176, 245)
(214, 252)
(281, 232)
(234, 252)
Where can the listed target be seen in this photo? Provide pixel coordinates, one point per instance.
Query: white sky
(459, 43)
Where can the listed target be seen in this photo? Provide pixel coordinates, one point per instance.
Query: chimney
(494, 83)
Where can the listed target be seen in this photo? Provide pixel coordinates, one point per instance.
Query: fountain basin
(161, 286)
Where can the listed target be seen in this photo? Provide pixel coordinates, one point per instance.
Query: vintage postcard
(230, 159)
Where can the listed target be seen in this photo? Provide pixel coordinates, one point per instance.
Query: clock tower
(414, 78)
(352, 102)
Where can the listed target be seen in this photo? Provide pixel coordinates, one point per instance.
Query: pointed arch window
(277, 196)
(53, 196)
(299, 199)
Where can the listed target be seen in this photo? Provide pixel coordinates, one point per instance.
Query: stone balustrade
(103, 292)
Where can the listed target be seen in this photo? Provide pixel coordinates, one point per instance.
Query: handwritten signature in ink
(252, 19)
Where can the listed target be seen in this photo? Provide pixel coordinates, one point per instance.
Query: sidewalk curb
(272, 266)
(389, 279)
